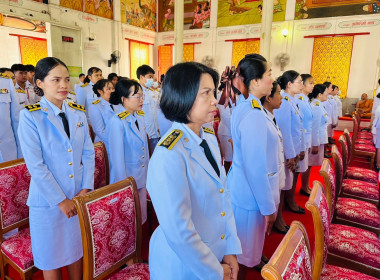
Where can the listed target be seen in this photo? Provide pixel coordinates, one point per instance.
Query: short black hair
(318, 89)
(111, 76)
(180, 89)
(305, 77)
(93, 70)
(30, 68)
(43, 67)
(255, 56)
(4, 69)
(86, 80)
(100, 85)
(273, 91)
(81, 75)
(123, 88)
(327, 84)
(287, 76)
(143, 70)
(334, 87)
(18, 67)
(251, 69)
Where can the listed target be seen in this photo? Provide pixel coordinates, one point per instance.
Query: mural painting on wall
(333, 8)
(101, 8)
(241, 12)
(140, 13)
(21, 23)
(197, 14)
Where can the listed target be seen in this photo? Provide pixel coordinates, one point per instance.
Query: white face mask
(155, 85)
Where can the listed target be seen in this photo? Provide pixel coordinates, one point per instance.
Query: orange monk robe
(364, 107)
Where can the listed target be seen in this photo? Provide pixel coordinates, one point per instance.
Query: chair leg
(2, 268)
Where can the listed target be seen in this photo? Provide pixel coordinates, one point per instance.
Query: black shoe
(302, 192)
(300, 210)
(281, 231)
(259, 266)
(264, 259)
(287, 227)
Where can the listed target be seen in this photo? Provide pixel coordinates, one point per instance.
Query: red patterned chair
(355, 186)
(110, 222)
(16, 251)
(293, 260)
(348, 211)
(363, 174)
(346, 246)
(101, 174)
(364, 134)
(366, 151)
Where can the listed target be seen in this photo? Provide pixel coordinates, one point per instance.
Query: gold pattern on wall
(102, 8)
(332, 61)
(165, 56)
(241, 48)
(188, 52)
(139, 55)
(32, 50)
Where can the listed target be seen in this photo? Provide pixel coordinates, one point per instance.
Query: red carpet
(271, 242)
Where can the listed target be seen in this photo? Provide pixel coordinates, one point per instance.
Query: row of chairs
(346, 226)
(16, 251)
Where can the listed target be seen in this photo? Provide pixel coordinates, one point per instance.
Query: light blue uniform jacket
(307, 119)
(289, 120)
(197, 227)
(60, 167)
(319, 124)
(99, 113)
(127, 148)
(9, 117)
(248, 178)
(150, 107)
(85, 96)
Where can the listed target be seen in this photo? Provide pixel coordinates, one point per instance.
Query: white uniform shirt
(150, 108)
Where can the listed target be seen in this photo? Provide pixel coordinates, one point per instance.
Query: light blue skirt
(56, 239)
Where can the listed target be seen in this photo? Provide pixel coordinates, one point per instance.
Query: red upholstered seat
(365, 135)
(331, 272)
(363, 141)
(358, 211)
(137, 271)
(18, 248)
(365, 148)
(362, 174)
(355, 244)
(101, 169)
(361, 189)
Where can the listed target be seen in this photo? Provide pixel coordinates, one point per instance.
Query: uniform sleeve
(81, 96)
(15, 116)
(96, 120)
(168, 187)
(233, 241)
(316, 123)
(283, 117)
(254, 157)
(31, 147)
(88, 161)
(116, 147)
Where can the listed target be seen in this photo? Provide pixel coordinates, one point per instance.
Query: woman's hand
(83, 192)
(315, 150)
(226, 272)
(290, 163)
(302, 155)
(231, 261)
(269, 221)
(68, 208)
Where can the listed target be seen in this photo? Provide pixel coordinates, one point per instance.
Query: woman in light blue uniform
(60, 157)
(196, 238)
(249, 179)
(127, 144)
(319, 125)
(101, 111)
(289, 119)
(305, 107)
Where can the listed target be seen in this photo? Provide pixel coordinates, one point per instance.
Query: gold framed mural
(101, 8)
(140, 13)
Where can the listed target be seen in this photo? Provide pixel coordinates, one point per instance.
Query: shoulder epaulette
(5, 76)
(20, 91)
(123, 115)
(317, 103)
(84, 85)
(171, 139)
(33, 107)
(207, 130)
(286, 98)
(140, 113)
(255, 104)
(77, 107)
(96, 101)
(72, 92)
(300, 98)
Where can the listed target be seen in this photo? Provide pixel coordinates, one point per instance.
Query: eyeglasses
(140, 97)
